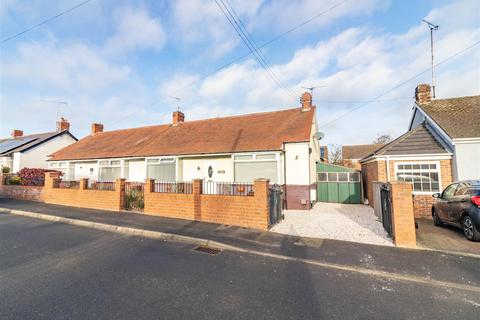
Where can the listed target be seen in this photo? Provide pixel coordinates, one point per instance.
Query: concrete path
(348, 222)
(58, 271)
(425, 265)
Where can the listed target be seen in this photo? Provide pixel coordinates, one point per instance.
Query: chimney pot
(178, 117)
(306, 101)
(63, 125)
(17, 133)
(96, 128)
(423, 93)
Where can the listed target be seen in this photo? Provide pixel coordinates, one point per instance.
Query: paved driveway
(349, 222)
(443, 238)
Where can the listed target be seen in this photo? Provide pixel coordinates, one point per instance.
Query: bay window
(248, 167)
(109, 170)
(161, 169)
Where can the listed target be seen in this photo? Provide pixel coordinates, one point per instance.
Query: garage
(337, 184)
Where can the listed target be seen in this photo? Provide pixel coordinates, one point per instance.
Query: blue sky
(119, 62)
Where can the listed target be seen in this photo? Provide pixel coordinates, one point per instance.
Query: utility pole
(432, 27)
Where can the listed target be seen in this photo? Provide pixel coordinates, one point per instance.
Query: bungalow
(352, 154)
(32, 151)
(281, 146)
(442, 145)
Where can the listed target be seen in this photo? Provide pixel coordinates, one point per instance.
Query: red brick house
(442, 145)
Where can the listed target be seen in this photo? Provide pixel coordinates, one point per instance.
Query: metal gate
(275, 196)
(134, 192)
(339, 187)
(386, 206)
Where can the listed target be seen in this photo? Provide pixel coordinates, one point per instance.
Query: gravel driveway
(349, 222)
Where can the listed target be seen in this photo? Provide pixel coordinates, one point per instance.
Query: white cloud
(135, 29)
(71, 67)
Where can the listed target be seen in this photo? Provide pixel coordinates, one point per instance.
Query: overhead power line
(399, 85)
(278, 37)
(248, 41)
(58, 15)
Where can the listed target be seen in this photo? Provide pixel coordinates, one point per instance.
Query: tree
(383, 139)
(335, 154)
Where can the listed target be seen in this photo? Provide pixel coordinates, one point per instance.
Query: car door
(461, 196)
(443, 204)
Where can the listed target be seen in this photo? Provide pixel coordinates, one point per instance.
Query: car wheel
(469, 229)
(436, 219)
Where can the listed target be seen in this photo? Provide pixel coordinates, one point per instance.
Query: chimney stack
(63, 125)
(17, 133)
(97, 128)
(178, 117)
(422, 94)
(306, 101)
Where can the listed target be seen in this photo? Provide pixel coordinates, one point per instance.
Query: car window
(449, 191)
(463, 189)
(475, 192)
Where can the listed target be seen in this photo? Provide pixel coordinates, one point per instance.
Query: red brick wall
(403, 222)
(30, 193)
(83, 197)
(372, 171)
(295, 194)
(241, 211)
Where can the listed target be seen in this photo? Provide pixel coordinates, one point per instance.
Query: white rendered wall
(137, 170)
(197, 168)
(467, 161)
(86, 170)
(297, 161)
(37, 156)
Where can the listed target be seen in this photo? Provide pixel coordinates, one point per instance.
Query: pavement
(430, 265)
(52, 270)
(347, 222)
(444, 238)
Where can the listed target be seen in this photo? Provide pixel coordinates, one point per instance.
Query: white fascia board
(421, 157)
(466, 140)
(414, 108)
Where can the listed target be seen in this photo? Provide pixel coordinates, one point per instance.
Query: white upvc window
(161, 168)
(250, 166)
(109, 170)
(424, 176)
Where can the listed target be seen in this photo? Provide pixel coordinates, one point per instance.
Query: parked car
(459, 205)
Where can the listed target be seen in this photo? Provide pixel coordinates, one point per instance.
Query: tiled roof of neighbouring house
(359, 151)
(252, 132)
(458, 117)
(22, 143)
(419, 140)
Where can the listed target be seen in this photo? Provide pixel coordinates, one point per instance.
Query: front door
(209, 168)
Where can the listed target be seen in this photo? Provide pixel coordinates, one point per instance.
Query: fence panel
(228, 188)
(173, 187)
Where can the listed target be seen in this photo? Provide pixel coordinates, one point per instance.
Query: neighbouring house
(280, 146)
(352, 154)
(441, 145)
(32, 151)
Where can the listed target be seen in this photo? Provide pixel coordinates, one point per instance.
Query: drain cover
(208, 250)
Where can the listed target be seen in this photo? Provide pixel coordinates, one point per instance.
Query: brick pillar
(197, 199)
(149, 185)
(260, 187)
(2, 177)
(83, 183)
(403, 221)
(120, 189)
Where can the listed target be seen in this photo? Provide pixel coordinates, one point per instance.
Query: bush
(34, 176)
(15, 180)
(5, 169)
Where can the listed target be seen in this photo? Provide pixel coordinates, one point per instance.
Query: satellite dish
(319, 135)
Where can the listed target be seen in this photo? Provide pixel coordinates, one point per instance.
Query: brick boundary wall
(403, 222)
(30, 193)
(243, 211)
(83, 197)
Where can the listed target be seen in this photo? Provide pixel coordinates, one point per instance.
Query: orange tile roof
(252, 132)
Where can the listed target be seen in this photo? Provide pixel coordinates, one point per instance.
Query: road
(57, 271)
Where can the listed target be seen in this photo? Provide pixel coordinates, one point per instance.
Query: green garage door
(338, 184)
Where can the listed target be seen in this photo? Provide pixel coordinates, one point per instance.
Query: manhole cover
(208, 250)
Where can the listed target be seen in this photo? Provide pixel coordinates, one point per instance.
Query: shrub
(14, 180)
(34, 176)
(5, 169)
